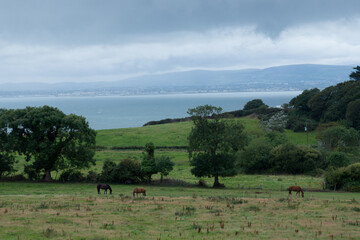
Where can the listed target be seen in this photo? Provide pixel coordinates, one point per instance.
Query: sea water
(108, 112)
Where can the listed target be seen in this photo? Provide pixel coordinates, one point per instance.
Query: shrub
(255, 157)
(337, 159)
(277, 122)
(293, 159)
(345, 178)
(338, 138)
(127, 171)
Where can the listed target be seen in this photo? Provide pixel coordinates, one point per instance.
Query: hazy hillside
(291, 77)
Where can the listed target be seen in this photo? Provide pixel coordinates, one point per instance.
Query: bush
(277, 122)
(127, 171)
(292, 159)
(337, 159)
(71, 175)
(345, 178)
(255, 157)
(338, 138)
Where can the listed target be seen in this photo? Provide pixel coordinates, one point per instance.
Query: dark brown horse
(296, 189)
(105, 187)
(139, 190)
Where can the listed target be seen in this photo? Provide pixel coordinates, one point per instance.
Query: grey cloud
(92, 21)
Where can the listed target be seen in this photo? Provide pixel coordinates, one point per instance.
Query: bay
(109, 112)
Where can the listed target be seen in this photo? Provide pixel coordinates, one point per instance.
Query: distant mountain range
(282, 78)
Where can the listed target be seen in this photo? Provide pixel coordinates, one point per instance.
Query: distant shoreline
(145, 94)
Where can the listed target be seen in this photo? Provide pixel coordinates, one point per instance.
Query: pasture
(76, 211)
(250, 207)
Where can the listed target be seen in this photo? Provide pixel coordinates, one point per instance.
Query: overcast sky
(108, 40)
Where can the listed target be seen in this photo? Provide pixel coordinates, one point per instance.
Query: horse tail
(134, 193)
(110, 189)
(98, 188)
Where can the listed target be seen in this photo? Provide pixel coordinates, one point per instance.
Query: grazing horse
(139, 190)
(296, 189)
(105, 187)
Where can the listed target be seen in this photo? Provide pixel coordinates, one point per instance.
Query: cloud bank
(232, 44)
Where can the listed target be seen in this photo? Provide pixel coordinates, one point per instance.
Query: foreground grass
(75, 211)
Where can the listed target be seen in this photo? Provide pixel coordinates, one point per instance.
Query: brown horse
(296, 189)
(139, 190)
(105, 187)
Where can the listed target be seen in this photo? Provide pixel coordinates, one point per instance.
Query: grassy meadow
(250, 207)
(76, 211)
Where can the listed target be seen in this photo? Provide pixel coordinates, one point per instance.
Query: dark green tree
(108, 171)
(331, 103)
(164, 166)
(300, 102)
(213, 143)
(51, 140)
(254, 104)
(356, 74)
(148, 165)
(337, 159)
(353, 113)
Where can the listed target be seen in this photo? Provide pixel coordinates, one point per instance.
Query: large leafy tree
(213, 143)
(50, 139)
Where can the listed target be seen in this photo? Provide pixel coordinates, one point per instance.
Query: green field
(76, 211)
(175, 134)
(250, 207)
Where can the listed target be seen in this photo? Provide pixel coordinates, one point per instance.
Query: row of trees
(333, 104)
